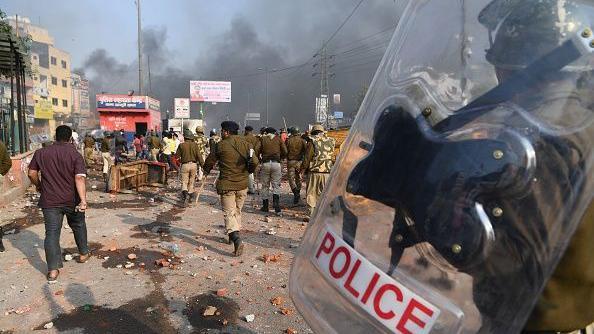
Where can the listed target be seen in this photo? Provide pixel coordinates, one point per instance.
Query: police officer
(235, 157)
(272, 150)
(250, 138)
(121, 146)
(5, 165)
(154, 145)
(213, 140)
(295, 153)
(89, 143)
(106, 156)
(202, 142)
(190, 158)
(319, 157)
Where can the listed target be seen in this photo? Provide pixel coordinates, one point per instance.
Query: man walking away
(202, 142)
(137, 143)
(319, 157)
(106, 157)
(63, 193)
(235, 159)
(89, 143)
(271, 152)
(154, 144)
(5, 165)
(250, 138)
(190, 157)
(214, 140)
(121, 146)
(296, 151)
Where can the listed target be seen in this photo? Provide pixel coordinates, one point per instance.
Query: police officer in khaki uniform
(154, 145)
(5, 165)
(202, 142)
(295, 153)
(250, 138)
(106, 157)
(272, 150)
(233, 154)
(89, 143)
(191, 159)
(318, 161)
(213, 140)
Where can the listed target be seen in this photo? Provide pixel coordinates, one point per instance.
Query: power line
(390, 28)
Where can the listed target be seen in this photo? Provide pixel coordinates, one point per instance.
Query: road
(152, 291)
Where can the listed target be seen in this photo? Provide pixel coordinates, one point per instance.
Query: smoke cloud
(247, 46)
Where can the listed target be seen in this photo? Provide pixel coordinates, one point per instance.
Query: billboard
(182, 107)
(252, 116)
(121, 101)
(43, 110)
(210, 91)
(153, 104)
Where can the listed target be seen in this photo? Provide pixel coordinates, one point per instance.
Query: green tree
(23, 43)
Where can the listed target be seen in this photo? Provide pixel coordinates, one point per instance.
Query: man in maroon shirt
(58, 171)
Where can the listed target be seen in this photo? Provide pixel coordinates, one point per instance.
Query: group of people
(241, 157)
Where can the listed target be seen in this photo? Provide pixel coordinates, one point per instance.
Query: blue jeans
(53, 218)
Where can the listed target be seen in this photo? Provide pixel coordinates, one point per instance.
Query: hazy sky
(191, 37)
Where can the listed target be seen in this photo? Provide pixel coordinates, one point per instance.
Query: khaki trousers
(271, 174)
(294, 177)
(315, 186)
(107, 162)
(232, 202)
(188, 176)
(154, 154)
(88, 155)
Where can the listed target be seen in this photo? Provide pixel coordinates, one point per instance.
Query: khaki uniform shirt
(296, 148)
(231, 154)
(189, 151)
(250, 138)
(5, 162)
(272, 148)
(105, 147)
(154, 142)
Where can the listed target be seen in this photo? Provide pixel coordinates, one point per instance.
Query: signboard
(210, 91)
(322, 109)
(153, 104)
(43, 110)
(338, 115)
(252, 116)
(121, 101)
(182, 107)
(336, 99)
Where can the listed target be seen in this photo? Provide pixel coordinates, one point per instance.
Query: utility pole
(267, 96)
(148, 60)
(324, 65)
(139, 50)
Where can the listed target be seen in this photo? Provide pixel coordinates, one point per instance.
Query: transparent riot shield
(465, 174)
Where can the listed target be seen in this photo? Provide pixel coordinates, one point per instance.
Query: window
(54, 61)
(54, 101)
(64, 83)
(42, 78)
(64, 103)
(63, 64)
(54, 81)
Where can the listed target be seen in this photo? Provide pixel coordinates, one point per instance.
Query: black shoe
(106, 182)
(237, 243)
(193, 197)
(296, 196)
(185, 198)
(276, 204)
(264, 207)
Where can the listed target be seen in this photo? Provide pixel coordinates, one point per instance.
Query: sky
(200, 39)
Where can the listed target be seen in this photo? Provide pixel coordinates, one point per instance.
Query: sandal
(83, 258)
(53, 278)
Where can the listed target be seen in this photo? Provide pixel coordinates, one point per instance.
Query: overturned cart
(133, 175)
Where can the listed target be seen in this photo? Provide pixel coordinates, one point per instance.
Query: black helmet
(294, 130)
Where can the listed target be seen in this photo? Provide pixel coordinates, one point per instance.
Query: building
(81, 111)
(52, 91)
(137, 114)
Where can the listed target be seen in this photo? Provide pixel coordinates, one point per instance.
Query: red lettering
(370, 288)
(378, 298)
(326, 248)
(347, 284)
(347, 262)
(408, 315)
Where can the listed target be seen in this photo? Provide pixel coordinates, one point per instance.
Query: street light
(265, 69)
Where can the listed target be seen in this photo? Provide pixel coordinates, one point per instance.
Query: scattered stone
(163, 263)
(131, 256)
(59, 293)
(106, 258)
(129, 265)
(222, 292)
(290, 331)
(93, 187)
(68, 257)
(286, 311)
(271, 231)
(271, 257)
(250, 318)
(149, 310)
(119, 266)
(276, 301)
(128, 272)
(208, 277)
(209, 311)
(294, 246)
(49, 325)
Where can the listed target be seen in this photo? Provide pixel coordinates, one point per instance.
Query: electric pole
(323, 66)
(139, 49)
